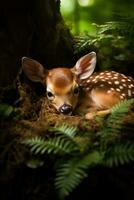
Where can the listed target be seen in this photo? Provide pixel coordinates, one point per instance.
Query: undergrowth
(80, 151)
(113, 43)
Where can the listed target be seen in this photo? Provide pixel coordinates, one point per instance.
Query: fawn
(78, 88)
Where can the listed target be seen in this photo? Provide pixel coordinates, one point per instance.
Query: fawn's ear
(85, 65)
(33, 69)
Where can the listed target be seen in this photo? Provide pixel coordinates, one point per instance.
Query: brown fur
(61, 78)
(61, 82)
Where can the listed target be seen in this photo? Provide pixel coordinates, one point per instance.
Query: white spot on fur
(129, 93)
(109, 91)
(88, 81)
(116, 82)
(117, 89)
(110, 82)
(121, 87)
(129, 80)
(121, 97)
(94, 80)
(123, 80)
(123, 94)
(87, 88)
(123, 75)
(129, 86)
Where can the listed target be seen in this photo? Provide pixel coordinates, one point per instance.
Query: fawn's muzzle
(66, 109)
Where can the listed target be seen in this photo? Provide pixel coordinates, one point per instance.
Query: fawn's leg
(97, 113)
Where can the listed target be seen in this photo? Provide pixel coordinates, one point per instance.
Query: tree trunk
(32, 28)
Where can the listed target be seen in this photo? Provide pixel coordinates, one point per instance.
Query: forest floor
(33, 116)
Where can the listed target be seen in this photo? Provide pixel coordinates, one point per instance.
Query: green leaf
(121, 108)
(5, 110)
(72, 172)
(114, 122)
(118, 112)
(65, 129)
(54, 145)
(119, 154)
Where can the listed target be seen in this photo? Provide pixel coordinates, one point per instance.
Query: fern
(119, 154)
(65, 129)
(119, 110)
(88, 41)
(113, 125)
(117, 27)
(62, 143)
(83, 153)
(71, 173)
(112, 41)
(53, 145)
(105, 32)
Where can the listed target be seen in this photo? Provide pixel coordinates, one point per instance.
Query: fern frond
(86, 41)
(113, 125)
(65, 129)
(54, 145)
(83, 42)
(119, 110)
(71, 173)
(119, 154)
(117, 28)
(122, 107)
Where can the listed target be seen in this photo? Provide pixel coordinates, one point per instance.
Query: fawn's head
(62, 87)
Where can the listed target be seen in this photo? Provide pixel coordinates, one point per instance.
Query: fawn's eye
(76, 90)
(50, 95)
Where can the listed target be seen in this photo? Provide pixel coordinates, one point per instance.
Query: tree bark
(33, 28)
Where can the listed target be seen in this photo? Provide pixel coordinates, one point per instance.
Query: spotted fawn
(80, 89)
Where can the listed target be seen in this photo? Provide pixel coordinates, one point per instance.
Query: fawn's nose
(65, 109)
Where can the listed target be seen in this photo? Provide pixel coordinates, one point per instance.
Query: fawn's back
(105, 89)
